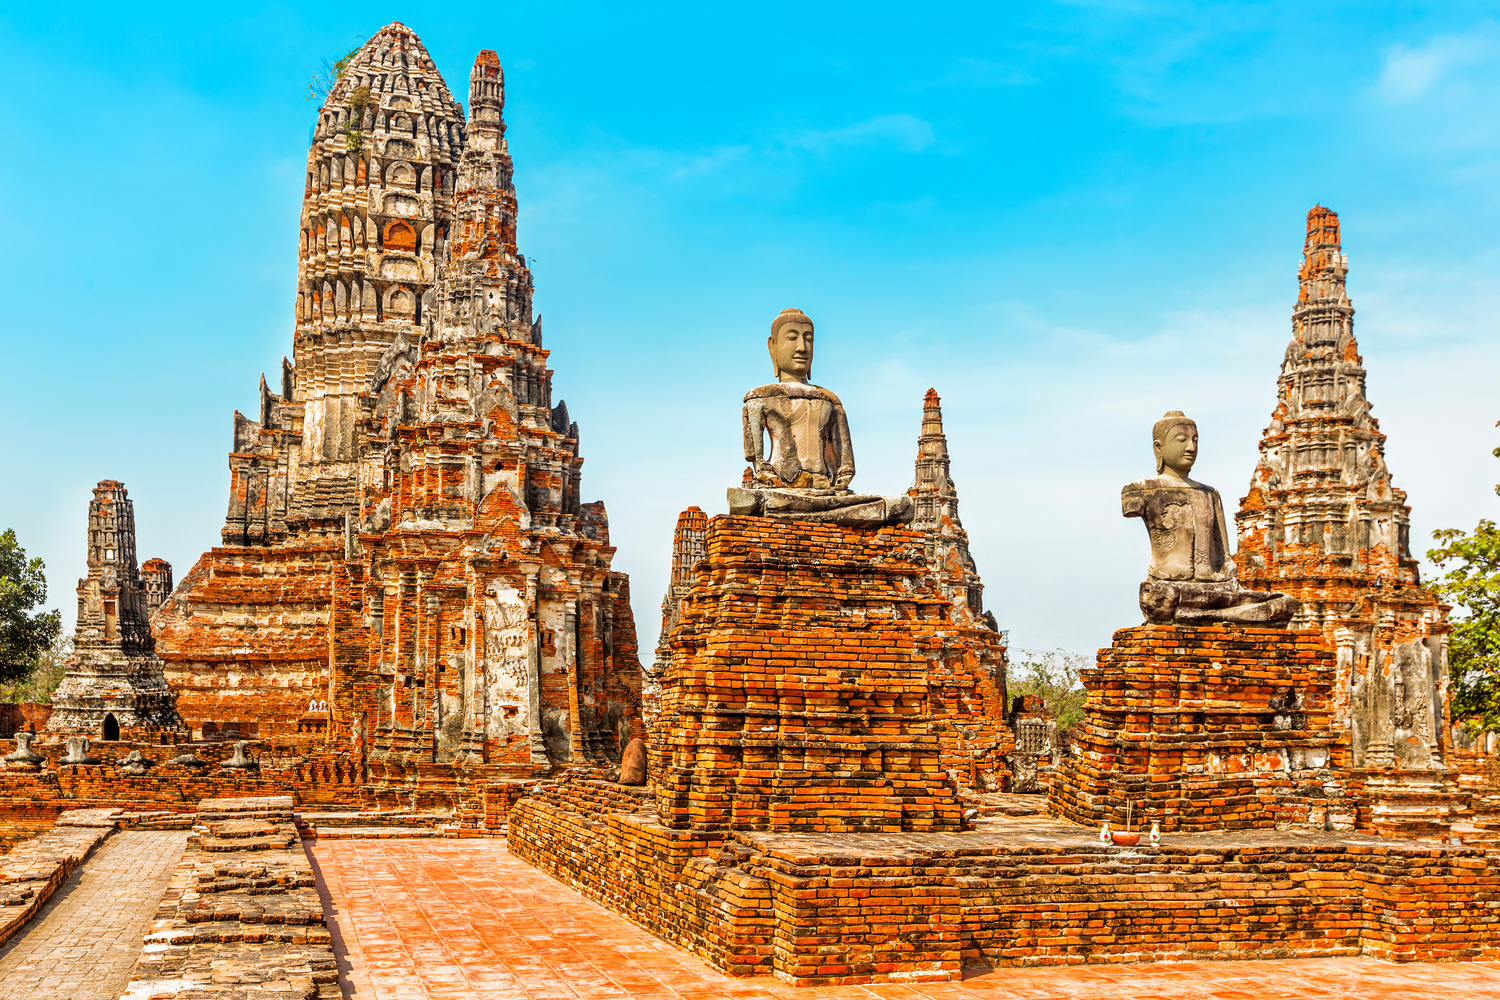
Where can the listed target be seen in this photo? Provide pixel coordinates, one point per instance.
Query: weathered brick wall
(244, 639)
(812, 670)
(306, 768)
(903, 907)
(1180, 721)
(604, 841)
(1478, 771)
(23, 717)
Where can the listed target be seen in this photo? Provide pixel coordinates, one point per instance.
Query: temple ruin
(114, 683)
(412, 617)
(406, 540)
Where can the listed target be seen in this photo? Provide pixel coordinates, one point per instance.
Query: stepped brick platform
(1210, 728)
(860, 908)
(241, 915)
(796, 697)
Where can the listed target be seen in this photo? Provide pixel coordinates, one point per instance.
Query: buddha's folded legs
(859, 510)
(1194, 603)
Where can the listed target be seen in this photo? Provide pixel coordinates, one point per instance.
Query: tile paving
(84, 942)
(434, 920)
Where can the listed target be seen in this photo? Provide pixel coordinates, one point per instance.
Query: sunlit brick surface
(431, 919)
(83, 944)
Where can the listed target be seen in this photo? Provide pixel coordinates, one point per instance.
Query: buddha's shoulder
(792, 390)
(1154, 484)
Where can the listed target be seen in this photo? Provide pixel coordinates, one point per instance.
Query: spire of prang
(1321, 492)
(933, 492)
(375, 214)
(936, 501)
(486, 93)
(1323, 523)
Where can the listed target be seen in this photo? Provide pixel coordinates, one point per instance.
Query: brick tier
(1209, 728)
(818, 909)
(797, 696)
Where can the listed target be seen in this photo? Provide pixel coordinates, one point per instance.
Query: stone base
(843, 507)
(806, 680)
(868, 908)
(1416, 803)
(1221, 727)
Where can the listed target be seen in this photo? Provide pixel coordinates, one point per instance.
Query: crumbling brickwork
(242, 913)
(409, 577)
(114, 683)
(798, 695)
(861, 908)
(1209, 728)
(1323, 523)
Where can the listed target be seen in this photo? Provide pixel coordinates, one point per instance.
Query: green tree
(24, 633)
(1054, 676)
(46, 674)
(1472, 586)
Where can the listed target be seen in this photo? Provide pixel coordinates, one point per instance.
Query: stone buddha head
(791, 346)
(1174, 438)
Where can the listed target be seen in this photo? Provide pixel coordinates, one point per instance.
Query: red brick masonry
(853, 908)
(800, 694)
(1209, 728)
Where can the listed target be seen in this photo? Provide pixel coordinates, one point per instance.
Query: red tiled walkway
(447, 919)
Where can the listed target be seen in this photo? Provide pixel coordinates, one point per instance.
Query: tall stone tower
(1323, 523)
(406, 537)
(936, 500)
(114, 681)
(376, 214)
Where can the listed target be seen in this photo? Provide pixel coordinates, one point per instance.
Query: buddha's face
(792, 350)
(1177, 450)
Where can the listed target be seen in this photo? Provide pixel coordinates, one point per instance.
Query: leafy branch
(321, 84)
(1472, 586)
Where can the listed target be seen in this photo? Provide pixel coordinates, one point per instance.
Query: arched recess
(400, 303)
(111, 727)
(400, 236)
(400, 175)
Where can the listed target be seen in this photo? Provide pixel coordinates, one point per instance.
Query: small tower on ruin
(1323, 522)
(156, 578)
(688, 547)
(936, 500)
(114, 685)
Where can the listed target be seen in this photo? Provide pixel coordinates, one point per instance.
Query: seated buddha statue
(1191, 579)
(797, 443)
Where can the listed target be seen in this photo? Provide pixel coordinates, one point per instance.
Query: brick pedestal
(797, 693)
(1209, 728)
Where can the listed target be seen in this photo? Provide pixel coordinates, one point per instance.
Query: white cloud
(1410, 73)
(905, 132)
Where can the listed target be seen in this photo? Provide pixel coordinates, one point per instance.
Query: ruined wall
(910, 908)
(246, 637)
(1209, 728)
(800, 692)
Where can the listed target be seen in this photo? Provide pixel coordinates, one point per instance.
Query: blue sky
(1067, 217)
